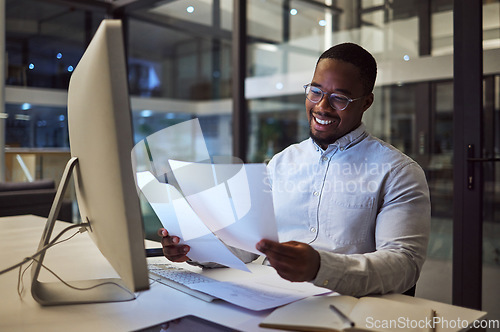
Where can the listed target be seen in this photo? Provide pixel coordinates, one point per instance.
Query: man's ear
(368, 102)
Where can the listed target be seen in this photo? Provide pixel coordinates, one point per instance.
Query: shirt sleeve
(401, 238)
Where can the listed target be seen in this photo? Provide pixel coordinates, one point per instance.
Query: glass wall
(283, 52)
(35, 126)
(491, 196)
(44, 42)
(179, 58)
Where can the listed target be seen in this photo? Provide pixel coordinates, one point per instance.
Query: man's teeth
(323, 122)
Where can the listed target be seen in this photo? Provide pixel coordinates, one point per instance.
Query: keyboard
(254, 293)
(180, 279)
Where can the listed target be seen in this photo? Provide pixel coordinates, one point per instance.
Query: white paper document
(179, 219)
(209, 202)
(233, 200)
(238, 211)
(261, 293)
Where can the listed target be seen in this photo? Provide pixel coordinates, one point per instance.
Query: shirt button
(313, 230)
(324, 158)
(316, 193)
(341, 148)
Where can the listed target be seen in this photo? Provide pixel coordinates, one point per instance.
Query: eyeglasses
(336, 101)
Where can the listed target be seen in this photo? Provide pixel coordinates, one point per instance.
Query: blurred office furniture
(18, 198)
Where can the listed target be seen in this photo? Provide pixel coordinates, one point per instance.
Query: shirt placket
(317, 190)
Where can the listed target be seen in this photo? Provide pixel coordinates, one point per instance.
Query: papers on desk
(261, 293)
(263, 289)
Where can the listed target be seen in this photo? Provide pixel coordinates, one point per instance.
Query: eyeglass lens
(315, 94)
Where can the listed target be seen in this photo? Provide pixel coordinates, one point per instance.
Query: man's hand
(294, 261)
(171, 248)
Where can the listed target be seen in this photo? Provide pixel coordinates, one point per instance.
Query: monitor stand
(57, 293)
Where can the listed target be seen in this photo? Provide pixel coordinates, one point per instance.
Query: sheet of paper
(179, 219)
(183, 141)
(260, 293)
(233, 200)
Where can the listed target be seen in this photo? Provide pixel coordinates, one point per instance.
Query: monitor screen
(100, 134)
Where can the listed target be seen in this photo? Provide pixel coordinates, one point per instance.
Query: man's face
(342, 78)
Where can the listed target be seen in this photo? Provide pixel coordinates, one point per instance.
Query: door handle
(470, 165)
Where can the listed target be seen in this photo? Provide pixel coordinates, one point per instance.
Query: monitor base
(78, 292)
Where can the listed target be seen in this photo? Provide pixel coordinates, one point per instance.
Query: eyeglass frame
(329, 94)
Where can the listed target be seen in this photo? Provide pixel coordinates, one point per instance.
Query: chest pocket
(350, 218)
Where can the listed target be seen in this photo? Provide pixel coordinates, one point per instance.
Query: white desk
(77, 259)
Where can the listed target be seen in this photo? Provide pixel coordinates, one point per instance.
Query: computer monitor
(100, 134)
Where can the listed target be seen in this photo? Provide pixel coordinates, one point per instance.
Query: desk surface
(79, 258)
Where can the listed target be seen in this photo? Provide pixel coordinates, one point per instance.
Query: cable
(83, 288)
(82, 230)
(53, 242)
(20, 277)
(44, 248)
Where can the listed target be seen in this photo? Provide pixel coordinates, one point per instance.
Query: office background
(182, 64)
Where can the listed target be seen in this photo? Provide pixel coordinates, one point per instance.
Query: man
(352, 212)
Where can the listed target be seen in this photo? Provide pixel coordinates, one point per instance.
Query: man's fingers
(286, 270)
(170, 241)
(178, 259)
(162, 232)
(175, 251)
(171, 248)
(294, 261)
(287, 249)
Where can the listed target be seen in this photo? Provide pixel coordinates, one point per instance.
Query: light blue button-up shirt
(362, 204)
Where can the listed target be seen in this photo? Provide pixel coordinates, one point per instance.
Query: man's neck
(324, 145)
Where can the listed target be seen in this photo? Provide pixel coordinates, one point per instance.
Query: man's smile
(322, 122)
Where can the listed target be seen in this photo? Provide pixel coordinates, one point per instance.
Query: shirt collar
(346, 141)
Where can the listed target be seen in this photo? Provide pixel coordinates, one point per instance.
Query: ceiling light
(146, 113)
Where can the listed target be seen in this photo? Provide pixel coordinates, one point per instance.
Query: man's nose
(324, 103)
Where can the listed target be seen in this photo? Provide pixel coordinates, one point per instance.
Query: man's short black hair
(358, 56)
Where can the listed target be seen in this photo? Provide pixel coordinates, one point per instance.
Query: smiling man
(330, 93)
(353, 212)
